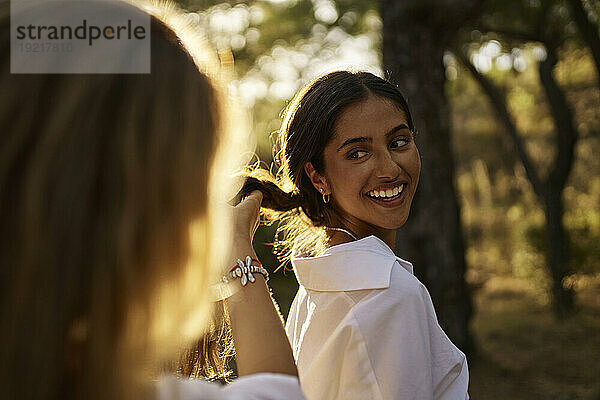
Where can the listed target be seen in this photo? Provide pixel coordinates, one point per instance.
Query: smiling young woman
(372, 166)
(362, 326)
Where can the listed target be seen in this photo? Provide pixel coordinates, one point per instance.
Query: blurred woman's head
(106, 182)
(348, 136)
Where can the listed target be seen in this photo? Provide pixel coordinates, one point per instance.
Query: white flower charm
(245, 271)
(249, 264)
(239, 272)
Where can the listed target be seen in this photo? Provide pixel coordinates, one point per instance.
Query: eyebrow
(362, 139)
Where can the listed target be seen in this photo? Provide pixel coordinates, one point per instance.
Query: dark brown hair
(307, 127)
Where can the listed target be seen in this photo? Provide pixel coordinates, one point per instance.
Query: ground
(524, 353)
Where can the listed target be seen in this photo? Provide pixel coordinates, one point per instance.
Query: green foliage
(279, 46)
(506, 44)
(503, 221)
(282, 279)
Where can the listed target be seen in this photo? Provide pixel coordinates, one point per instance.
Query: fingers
(255, 196)
(247, 213)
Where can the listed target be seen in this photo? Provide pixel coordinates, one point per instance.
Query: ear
(317, 179)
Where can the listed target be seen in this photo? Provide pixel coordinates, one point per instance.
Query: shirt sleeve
(263, 386)
(375, 344)
(410, 354)
(330, 351)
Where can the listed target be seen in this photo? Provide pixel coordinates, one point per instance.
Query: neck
(360, 230)
(335, 237)
(389, 237)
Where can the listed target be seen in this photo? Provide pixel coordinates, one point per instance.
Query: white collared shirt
(262, 386)
(362, 326)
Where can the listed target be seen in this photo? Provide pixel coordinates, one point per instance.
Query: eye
(355, 155)
(400, 141)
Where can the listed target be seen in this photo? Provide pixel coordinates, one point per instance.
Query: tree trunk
(413, 47)
(566, 138)
(557, 255)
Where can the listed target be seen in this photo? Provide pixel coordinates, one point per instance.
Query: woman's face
(372, 166)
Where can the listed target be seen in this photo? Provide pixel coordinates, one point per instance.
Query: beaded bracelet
(245, 271)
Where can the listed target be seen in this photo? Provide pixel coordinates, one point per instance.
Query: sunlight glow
(504, 62)
(325, 11)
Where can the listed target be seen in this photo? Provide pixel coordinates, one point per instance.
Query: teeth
(387, 193)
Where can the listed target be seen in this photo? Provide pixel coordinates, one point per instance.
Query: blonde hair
(113, 217)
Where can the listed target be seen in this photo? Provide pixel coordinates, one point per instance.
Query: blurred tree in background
(549, 26)
(415, 36)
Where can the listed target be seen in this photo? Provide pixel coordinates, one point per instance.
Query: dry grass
(525, 353)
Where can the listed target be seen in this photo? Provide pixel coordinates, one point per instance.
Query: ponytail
(274, 197)
(299, 213)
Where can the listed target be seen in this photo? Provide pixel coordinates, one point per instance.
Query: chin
(392, 224)
(396, 226)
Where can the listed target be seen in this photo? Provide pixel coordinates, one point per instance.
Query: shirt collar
(362, 264)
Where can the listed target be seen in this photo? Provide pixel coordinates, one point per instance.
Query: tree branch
(499, 104)
(567, 133)
(512, 33)
(588, 30)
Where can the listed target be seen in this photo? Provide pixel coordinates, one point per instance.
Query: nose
(386, 167)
